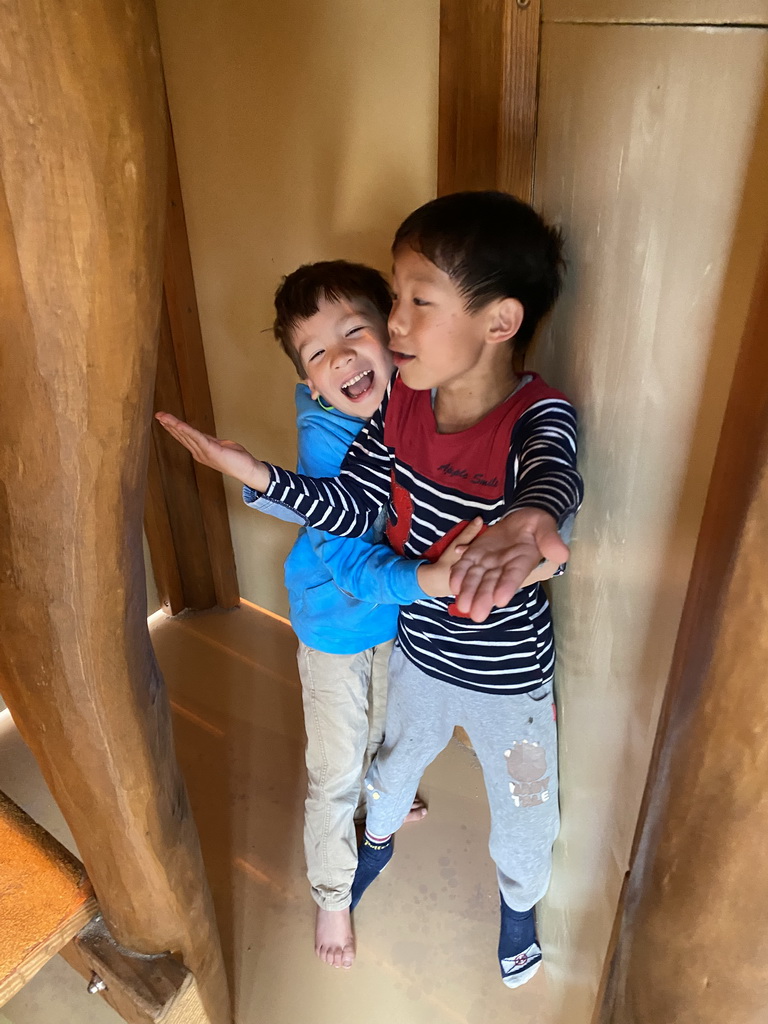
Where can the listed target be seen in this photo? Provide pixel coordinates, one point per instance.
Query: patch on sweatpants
(527, 765)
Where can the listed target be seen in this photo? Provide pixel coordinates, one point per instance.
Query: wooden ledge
(45, 898)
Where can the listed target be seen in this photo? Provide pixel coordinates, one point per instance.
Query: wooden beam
(693, 934)
(184, 321)
(176, 494)
(519, 98)
(141, 989)
(157, 526)
(82, 203)
(489, 58)
(186, 518)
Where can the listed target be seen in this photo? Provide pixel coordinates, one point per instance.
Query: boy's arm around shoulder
(369, 571)
(544, 496)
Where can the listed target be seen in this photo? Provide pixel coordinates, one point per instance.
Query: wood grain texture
(83, 170)
(699, 867)
(488, 84)
(45, 898)
(141, 989)
(180, 493)
(657, 12)
(519, 99)
(157, 526)
(189, 359)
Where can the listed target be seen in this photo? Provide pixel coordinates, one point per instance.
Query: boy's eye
(354, 330)
(420, 302)
(316, 354)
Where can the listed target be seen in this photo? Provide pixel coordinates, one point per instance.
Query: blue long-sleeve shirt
(344, 592)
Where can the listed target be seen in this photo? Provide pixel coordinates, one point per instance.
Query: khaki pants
(345, 699)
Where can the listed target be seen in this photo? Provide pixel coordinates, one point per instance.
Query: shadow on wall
(304, 131)
(664, 241)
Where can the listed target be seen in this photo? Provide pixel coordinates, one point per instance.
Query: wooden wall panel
(699, 870)
(654, 177)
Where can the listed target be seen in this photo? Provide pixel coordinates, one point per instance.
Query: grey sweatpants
(515, 739)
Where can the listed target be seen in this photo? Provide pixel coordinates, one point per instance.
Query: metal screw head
(96, 984)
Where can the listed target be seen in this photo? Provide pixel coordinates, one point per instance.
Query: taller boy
(460, 434)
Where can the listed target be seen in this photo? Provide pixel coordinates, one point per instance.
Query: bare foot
(418, 810)
(334, 941)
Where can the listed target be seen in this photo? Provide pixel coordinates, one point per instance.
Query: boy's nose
(395, 321)
(342, 356)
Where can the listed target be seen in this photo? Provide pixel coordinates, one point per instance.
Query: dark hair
(299, 293)
(492, 246)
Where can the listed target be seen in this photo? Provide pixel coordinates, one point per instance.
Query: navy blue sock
(373, 855)
(519, 951)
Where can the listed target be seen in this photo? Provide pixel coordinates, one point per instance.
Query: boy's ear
(314, 393)
(505, 318)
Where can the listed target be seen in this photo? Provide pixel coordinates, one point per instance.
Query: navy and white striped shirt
(521, 455)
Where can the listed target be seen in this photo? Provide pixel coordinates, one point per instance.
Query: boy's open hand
(435, 577)
(496, 564)
(225, 456)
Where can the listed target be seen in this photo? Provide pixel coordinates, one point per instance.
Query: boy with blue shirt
(344, 593)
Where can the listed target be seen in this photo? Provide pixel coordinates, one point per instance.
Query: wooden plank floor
(427, 930)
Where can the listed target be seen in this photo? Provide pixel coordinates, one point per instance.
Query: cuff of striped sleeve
(256, 500)
(286, 489)
(563, 517)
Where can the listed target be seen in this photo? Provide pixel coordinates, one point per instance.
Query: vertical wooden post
(693, 935)
(489, 65)
(186, 519)
(82, 206)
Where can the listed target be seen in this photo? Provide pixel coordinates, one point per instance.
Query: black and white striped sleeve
(347, 505)
(542, 468)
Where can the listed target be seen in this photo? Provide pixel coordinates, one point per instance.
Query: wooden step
(45, 898)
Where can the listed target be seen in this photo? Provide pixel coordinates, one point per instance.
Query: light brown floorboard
(426, 931)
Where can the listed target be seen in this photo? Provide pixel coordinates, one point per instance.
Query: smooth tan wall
(305, 130)
(647, 158)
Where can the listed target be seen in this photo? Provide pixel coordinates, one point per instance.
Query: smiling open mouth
(358, 386)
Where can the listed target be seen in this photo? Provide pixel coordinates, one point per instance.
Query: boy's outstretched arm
(346, 505)
(225, 456)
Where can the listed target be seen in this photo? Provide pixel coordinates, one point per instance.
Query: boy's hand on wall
(499, 562)
(435, 577)
(225, 456)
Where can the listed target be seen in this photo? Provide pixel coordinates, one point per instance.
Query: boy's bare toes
(418, 810)
(334, 942)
